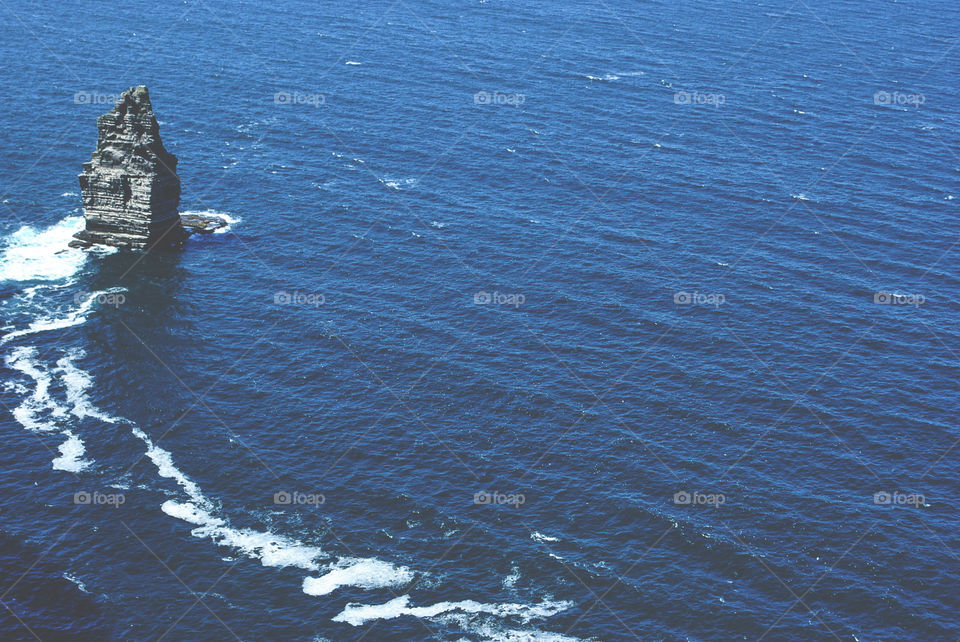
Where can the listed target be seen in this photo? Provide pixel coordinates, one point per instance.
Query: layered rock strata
(130, 187)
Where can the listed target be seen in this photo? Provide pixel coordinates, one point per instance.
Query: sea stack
(130, 187)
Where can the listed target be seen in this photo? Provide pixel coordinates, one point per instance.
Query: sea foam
(32, 254)
(78, 383)
(488, 629)
(39, 412)
(359, 614)
(361, 573)
(74, 317)
(71, 454)
(271, 549)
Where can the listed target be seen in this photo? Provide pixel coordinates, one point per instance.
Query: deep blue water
(718, 242)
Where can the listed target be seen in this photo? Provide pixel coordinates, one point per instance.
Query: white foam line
(78, 382)
(163, 460)
(537, 536)
(271, 549)
(278, 551)
(75, 317)
(359, 614)
(363, 573)
(23, 359)
(28, 414)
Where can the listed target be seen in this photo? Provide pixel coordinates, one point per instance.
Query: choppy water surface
(546, 321)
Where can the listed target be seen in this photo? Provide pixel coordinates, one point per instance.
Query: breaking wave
(34, 254)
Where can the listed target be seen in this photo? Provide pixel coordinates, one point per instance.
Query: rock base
(171, 239)
(202, 223)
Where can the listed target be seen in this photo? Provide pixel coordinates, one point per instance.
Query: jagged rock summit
(130, 187)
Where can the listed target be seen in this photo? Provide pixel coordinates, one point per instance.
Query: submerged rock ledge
(130, 186)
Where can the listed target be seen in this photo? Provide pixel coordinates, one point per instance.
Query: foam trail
(78, 382)
(537, 536)
(164, 462)
(271, 549)
(28, 414)
(362, 573)
(75, 317)
(491, 631)
(71, 454)
(75, 581)
(32, 254)
(358, 614)
(42, 255)
(24, 360)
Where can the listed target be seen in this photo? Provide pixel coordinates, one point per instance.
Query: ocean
(536, 321)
